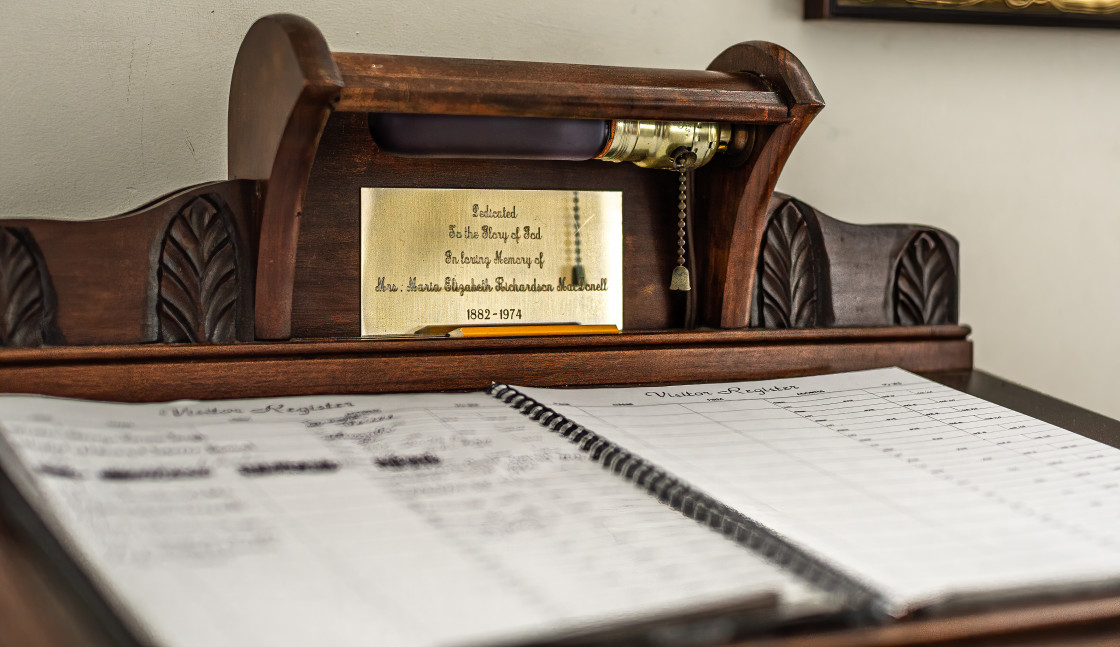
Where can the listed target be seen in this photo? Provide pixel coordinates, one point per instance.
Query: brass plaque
(433, 257)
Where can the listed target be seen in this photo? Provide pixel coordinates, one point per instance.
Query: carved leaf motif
(198, 276)
(25, 307)
(788, 281)
(925, 286)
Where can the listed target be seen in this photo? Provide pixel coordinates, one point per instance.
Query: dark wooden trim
(1085, 623)
(345, 346)
(737, 197)
(156, 373)
(385, 83)
(284, 84)
(283, 61)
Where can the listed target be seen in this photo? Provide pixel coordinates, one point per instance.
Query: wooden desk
(37, 609)
(126, 308)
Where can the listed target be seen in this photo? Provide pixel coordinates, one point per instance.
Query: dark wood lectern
(250, 286)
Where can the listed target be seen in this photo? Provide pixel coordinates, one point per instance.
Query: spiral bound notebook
(899, 493)
(693, 503)
(532, 516)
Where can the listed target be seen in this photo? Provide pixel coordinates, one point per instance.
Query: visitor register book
(527, 515)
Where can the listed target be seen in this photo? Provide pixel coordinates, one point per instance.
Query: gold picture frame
(1069, 13)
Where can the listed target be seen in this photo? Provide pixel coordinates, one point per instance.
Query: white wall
(1008, 137)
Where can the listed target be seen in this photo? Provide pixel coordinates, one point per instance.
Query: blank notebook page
(358, 520)
(923, 492)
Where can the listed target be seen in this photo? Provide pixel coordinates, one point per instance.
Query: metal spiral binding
(694, 504)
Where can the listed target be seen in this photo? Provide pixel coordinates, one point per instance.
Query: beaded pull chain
(578, 275)
(683, 159)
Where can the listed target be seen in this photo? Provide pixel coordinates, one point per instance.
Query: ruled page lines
(918, 489)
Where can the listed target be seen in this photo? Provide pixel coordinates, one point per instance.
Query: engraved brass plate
(434, 257)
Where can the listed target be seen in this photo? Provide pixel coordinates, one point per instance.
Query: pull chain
(578, 275)
(683, 158)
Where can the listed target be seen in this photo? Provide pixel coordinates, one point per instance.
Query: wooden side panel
(113, 278)
(818, 271)
(737, 190)
(284, 84)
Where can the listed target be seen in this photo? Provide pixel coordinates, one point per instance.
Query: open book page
(920, 491)
(390, 520)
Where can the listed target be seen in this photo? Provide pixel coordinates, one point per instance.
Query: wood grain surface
(168, 372)
(384, 83)
(106, 274)
(307, 279)
(734, 192)
(327, 298)
(284, 84)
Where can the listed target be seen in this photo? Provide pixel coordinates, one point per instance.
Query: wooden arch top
(287, 83)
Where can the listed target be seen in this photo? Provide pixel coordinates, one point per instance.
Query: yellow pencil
(523, 331)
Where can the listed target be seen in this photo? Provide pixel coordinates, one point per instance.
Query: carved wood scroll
(161, 272)
(199, 275)
(815, 271)
(27, 298)
(791, 272)
(925, 283)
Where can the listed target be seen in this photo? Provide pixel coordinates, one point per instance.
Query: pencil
(524, 331)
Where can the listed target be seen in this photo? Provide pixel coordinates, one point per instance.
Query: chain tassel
(680, 280)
